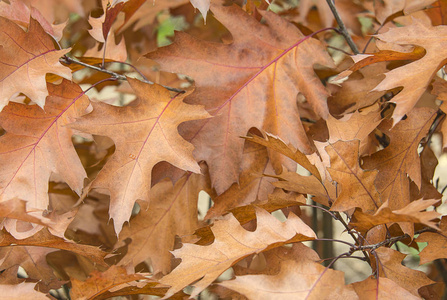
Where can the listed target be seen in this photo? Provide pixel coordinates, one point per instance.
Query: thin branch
(68, 60)
(390, 240)
(335, 240)
(343, 31)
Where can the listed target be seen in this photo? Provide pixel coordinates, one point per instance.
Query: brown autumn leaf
(101, 26)
(24, 290)
(400, 159)
(355, 93)
(363, 60)
(16, 209)
(37, 143)
(45, 239)
(415, 76)
(355, 126)
(390, 266)
(19, 12)
(357, 185)
(276, 144)
(292, 181)
(26, 57)
(171, 211)
(381, 288)
(114, 52)
(144, 133)
(262, 70)
(298, 278)
(414, 212)
(100, 283)
(34, 261)
(437, 243)
(387, 10)
(252, 185)
(232, 243)
(142, 12)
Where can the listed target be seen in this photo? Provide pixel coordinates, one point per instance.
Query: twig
(68, 60)
(343, 31)
(390, 240)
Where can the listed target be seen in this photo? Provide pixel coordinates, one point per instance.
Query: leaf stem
(68, 60)
(343, 31)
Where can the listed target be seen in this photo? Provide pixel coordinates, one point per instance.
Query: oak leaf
(300, 278)
(381, 288)
(20, 13)
(145, 133)
(172, 211)
(26, 57)
(98, 285)
(45, 239)
(262, 70)
(142, 12)
(252, 185)
(38, 143)
(400, 159)
(357, 185)
(34, 261)
(390, 267)
(437, 243)
(415, 76)
(232, 243)
(355, 126)
(24, 290)
(392, 8)
(414, 212)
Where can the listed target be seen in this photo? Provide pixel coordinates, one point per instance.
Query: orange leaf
(99, 284)
(400, 159)
(172, 211)
(25, 58)
(390, 264)
(416, 76)
(260, 72)
(357, 185)
(232, 243)
(381, 288)
(38, 143)
(414, 212)
(145, 133)
(437, 243)
(300, 278)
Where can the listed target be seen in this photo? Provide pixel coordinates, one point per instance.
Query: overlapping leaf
(172, 211)
(37, 143)
(301, 278)
(144, 134)
(25, 59)
(400, 158)
(416, 76)
(232, 243)
(261, 71)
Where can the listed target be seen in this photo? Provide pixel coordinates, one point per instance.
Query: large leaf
(400, 159)
(172, 211)
(232, 243)
(416, 76)
(357, 185)
(260, 72)
(25, 59)
(37, 143)
(145, 134)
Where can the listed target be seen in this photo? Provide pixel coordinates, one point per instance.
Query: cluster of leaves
(245, 94)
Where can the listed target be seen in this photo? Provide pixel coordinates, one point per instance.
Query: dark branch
(343, 31)
(68, 60)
